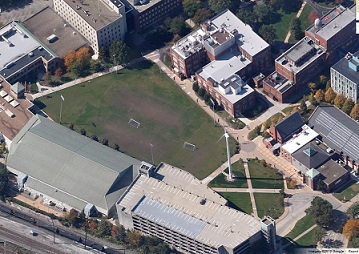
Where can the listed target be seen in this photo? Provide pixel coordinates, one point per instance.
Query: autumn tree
(348, 106)
(312, 86)
(295, 109)
(355, 112)
(292, 183)
(70, 59)
(303, 106)
(58, 72)
(351, 228)
(319, 95)
(313, 15)
(72, 216)
(339, 100)
(47, 78)
(330, 95)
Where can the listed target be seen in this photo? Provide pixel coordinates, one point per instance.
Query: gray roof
(47, 22)
(289, 125)
(71, 163)
(17, 87)
(343, 68)
(317, 155)
(338, 130)
(331, 171)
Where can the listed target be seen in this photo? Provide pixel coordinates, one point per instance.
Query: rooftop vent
(203, 201)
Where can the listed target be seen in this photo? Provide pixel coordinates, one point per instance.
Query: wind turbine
(226, 135)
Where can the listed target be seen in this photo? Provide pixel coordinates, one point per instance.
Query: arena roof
(77, 167)
(337, 129)
(173, 198)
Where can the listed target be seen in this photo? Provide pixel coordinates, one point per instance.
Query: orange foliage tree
(351, 228)
(69, 59)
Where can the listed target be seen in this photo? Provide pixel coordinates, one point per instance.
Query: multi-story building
(142, 13)
(217, 38)
(302, 62)
(22, 54)
(100, 22)
(344, 76)
(175, 206)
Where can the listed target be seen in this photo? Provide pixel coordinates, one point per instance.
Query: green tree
(195, 87)
(201, 15)
(72, 216)
(348, 106)
(118, 52)
(321, 210)
(268, 33)
(291, 6)
(353, 211)
(104, 228)
(330, 95)
(248, 17)
(95, 66)
(121, 234)
(83, 57)
(103, 54)
(339, 100)
(264, 13)
(219, 5)
(58, 73)
(190, 7)
(355, 112)
(4, 179)
(178, 26)
(296, 29)
(319, 233)
(323, 80)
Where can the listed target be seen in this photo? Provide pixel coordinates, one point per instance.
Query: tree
(121, 234)
(134, 239)
(353, 211)
(103, 54)
(319, 233)
(83, 57)
(104, 228)
(118, 52)
(95, 66)
(323, 80)
(72, 216)
(312, 86)
(339, 100)
(355, 112)
(201, 92)
(303, 106)
(58, 73)
(201, 15)
(313, 15)
(177, 26)
(319, 95)
(195, 87)
(351, 228)
(264, 12)
(291, 6)
(69, 60)
(47, 78)
(295, 109)
(4, 179)
(348, 106)
(83, 132)
(330, 95)
(190, 7)
(268, 33)
(105, 141)
(312, 99)
(321, 186)
(296, 28)
(219, 5)
(293, 183)
(321, 210)
(248, 17)
(117, 147)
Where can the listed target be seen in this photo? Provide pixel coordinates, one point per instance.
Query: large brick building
(302, 62)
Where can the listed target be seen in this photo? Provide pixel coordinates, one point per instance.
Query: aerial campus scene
(179, 126)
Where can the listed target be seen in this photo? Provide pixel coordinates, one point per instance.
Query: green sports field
(167, 117)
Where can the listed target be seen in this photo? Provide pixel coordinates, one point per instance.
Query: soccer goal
(189, 146)
(134, 123)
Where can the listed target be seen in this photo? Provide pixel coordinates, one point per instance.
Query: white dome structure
(317, 23)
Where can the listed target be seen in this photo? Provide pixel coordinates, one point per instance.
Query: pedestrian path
(299, 236)
(250, 188)
(246, 190)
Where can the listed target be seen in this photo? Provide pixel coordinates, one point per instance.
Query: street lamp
(151, 147)
(62, 100)
(214, 117)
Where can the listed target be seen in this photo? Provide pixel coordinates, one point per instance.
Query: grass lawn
(237, 169)
(350, 191)
(239, 201)
(260, 106)
(307, 241)
(168, 118)
(302, 225)
(274, 119)
(264, 177)
(282, 26)
(304, 21)
(220, 181)
(288, 110)
(269, 204)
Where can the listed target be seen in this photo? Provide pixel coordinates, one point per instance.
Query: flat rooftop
(176, 199)
(225, 66)
(300, 55)
(278, 82)
(190, 44)
(143, 7)
(333, 22)
(96, 13)
(10, 126)
(342, 66)
(46, 23)
(18, 47)
(234, 89)
(300, 140)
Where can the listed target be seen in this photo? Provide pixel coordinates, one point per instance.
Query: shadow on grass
(140, 66)
(39, 104)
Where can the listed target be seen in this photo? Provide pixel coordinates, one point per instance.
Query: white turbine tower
(226, 135)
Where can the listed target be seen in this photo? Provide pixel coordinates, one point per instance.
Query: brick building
(305, 60)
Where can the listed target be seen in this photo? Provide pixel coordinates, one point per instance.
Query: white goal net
(134, 123)
(189, 146)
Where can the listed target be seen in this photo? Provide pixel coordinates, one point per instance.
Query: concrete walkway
(286, 40)
(246, 190)
(299, 236)
(250, 187)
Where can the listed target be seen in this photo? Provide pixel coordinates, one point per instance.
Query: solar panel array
(339, 135)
